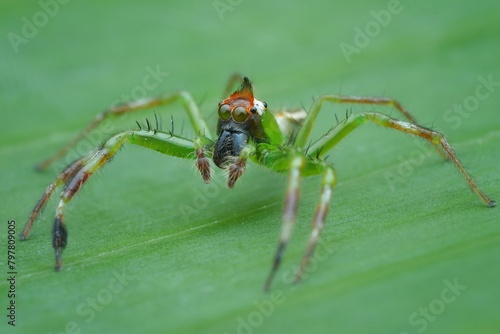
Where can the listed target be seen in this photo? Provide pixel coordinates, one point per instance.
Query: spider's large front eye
(224, 112)
(240, 114)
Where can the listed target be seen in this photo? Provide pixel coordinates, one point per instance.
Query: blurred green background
(403, 226)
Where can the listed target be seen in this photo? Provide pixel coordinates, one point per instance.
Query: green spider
(246, 130)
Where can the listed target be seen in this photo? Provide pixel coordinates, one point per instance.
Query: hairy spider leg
(331, 139)
(290, 208)
(63, 178)
(298, 165)
(77, 174)
(305, 132)
(197, 121)
(318, 221)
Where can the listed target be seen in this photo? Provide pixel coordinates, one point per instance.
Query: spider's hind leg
(300, 164)
(306, 130)
(319, 219)
(197, 121)
(289, 213)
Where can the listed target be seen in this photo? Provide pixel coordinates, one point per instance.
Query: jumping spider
(246, 130)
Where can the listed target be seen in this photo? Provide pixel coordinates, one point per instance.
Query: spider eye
(224, 112)
(265, 104)
(240, 114)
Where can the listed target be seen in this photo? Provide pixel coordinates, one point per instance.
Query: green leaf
(407, 248)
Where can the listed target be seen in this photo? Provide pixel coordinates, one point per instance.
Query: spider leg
(305, 132)
(79, 172)
(289, 213)
(59, 231)
(63, 178)
(323, 145)
(185, 98)
(319, 219)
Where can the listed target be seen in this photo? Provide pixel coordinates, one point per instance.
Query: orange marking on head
(243, 97)
(245, 92)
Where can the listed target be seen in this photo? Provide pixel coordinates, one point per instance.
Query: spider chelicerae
(246, 130)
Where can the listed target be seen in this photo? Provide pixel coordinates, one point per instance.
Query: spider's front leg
(78, 173)
(61, 179)
(327, 142)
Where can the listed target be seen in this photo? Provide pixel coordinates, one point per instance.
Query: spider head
(240, 108)
(239, 120)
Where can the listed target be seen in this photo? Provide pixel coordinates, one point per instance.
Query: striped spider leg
(75, 176)
(314, 159)
(77, 173)
(352, 121)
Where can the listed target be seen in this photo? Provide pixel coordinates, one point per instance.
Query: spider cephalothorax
(246, 130)
(239, 121)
